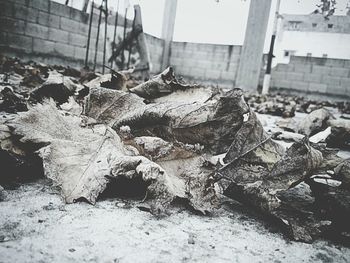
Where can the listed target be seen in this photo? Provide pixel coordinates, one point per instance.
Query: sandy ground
(36, 226)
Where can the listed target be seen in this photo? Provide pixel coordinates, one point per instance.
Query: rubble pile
(85, 131)
(286, 105)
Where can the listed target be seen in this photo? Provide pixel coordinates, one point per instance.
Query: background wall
(50, 32)
(53, 33)
(313, 75)
(208, 63)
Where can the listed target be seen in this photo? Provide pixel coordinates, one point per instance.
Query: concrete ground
(36, 226)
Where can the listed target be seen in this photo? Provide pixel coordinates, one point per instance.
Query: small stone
(191, 239)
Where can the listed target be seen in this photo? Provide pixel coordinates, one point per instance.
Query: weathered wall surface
(313, 75)
(42, 29)
(155, 48)
(216, 64)
(49, 32)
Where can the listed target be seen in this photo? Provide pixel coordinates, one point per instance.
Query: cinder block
(340, 72)
(7, 8)
(43, 46)
(79, 53)
(217, 55)
(280, 83)
(84, 28)
(207, 64)
(26, 13)
(345, 82)
(304, 68)
(280, 75)
(237, 50)
(54, 21)
(334, 62)
(295, 76)
(11, 25)
(77, 40)
(200, 55)
(323, 70)
(183, 71)
(59, 9)
(226, 75)
(220, 48)
(78, 15)
(71, 25)
(312, 77)
(232, 67)
(20, 41)
(58, 35)
(235, 58)
(299, 85)
(48, 20)
(43, 18)
(22, 2)
(175, 61)
(317, 87)
(284, 68)
(189, 63)
(36, 30)
(64, 49)
(347, 63)
(43, 5)
(212, 74)
(336, 90)
(222, 65)
(330, 80)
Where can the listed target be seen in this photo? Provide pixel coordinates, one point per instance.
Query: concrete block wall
(47, 31)
(155, 48)
(208, 63)
(313, 75)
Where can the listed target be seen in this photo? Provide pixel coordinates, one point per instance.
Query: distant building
(313, 36)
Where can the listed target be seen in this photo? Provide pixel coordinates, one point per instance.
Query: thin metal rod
(89, 35)
(270, 56)
(124, 36)
(130, 44)
(273, 38)
(115, 31)
(98, 36)
(105, 37)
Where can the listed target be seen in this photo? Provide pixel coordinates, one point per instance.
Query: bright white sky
(210, 21)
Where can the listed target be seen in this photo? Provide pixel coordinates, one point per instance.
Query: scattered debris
(93, 132)
(314, 122)
(11, 102)
(57, 86)
(114, 80)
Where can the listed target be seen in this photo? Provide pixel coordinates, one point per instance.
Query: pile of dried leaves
(87, 131)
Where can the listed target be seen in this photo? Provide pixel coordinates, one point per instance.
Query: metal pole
(267, 77)
(105, 38)
(115, 31)
(130, 44)
(124, 36)
(98, 36)
(89, 36)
